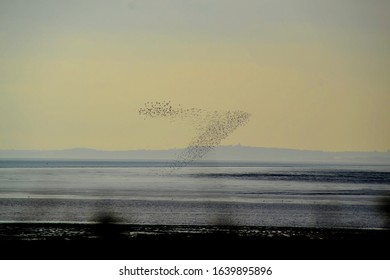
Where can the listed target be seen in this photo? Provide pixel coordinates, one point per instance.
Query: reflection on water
(285, 195)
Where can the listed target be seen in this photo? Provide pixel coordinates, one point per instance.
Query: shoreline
(108, 241)
(26, 231)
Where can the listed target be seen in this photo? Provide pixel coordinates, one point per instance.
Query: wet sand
(123, 241)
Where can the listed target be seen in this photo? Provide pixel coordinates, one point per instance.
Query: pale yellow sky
(77, 78)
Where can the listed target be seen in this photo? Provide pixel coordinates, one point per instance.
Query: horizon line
(183, 148)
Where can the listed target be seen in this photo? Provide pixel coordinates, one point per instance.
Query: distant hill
(224, 153)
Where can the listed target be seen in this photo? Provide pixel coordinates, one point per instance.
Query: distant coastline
(221, 153)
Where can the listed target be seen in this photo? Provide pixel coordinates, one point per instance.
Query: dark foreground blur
(108, 239)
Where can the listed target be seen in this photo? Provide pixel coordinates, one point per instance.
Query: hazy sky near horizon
(312, 74)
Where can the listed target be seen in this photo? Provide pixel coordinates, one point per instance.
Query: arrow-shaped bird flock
(211, 126)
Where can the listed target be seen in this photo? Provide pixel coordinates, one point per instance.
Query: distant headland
(221, 153)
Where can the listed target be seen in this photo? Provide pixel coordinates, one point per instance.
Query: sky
(312, 74)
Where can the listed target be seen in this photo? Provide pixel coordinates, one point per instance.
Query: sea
(201, 193)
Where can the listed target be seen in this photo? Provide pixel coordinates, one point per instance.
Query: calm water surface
(264, 194)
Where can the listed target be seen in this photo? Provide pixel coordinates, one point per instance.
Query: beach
(71, 209)
(118, 241)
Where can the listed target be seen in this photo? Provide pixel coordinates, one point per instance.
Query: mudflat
(131, 241)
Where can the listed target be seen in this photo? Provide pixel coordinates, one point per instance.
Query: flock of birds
(211, 126)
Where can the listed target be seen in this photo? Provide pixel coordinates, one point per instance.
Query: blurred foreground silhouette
(108, 227)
